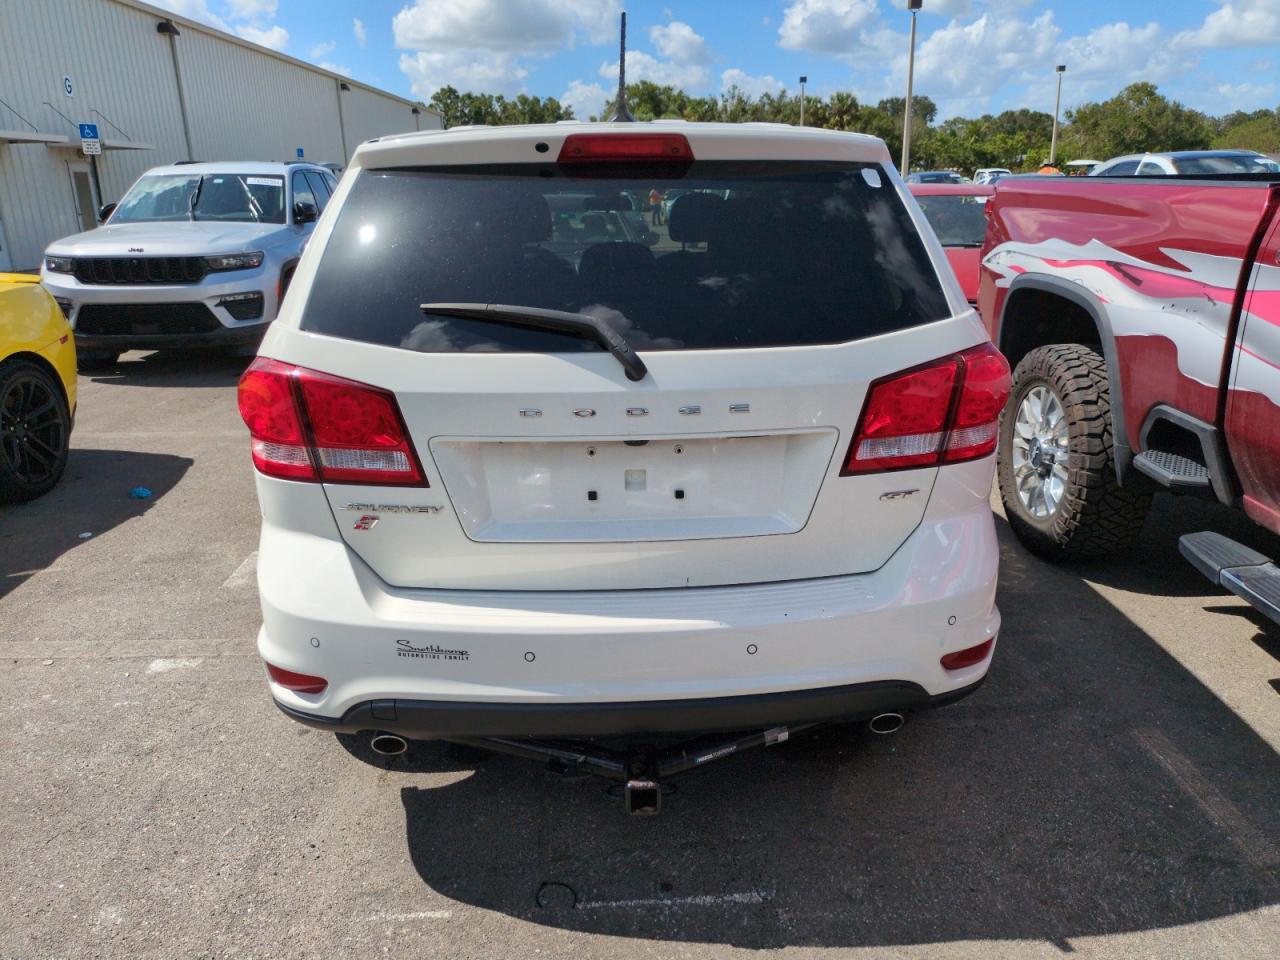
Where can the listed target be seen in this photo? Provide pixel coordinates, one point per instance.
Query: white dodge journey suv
(195, 254)
(523, 475)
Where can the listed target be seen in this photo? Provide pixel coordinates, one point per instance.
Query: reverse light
(308, 425)
(235, 261)
(60, 264)
(625, 148)
(945, 411)
(967, 657)
(297, 682)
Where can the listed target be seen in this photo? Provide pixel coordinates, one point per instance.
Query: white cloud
(334, 68)
(274, 37)
(322, 49)
(506, 25)
(357, 27)
(464, 69)
(1120, 53)
(748, 84)
(643, 66)
(585, 99)
(977, 59)
(679, 41)
(194, 10)
(252, 9)
(826, 26)
(1237, 23)
(482, 45)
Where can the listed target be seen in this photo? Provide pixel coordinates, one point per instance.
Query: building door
(82, 190)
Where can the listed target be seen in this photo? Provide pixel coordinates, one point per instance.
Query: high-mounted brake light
(308, 425)
(297, 682)
(625, 148)
(946, 411)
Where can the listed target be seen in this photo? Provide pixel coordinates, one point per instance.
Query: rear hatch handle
(559, 321)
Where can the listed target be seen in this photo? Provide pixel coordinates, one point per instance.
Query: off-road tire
(31, 403)
(1096, 517)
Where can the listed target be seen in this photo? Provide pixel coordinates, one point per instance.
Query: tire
(35, 431)
(96, 359)
(1091, 516)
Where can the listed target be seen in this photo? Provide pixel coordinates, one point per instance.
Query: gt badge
(367, 522)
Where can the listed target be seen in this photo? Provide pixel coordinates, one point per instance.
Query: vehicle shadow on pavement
(173, 368)
(92, 497)
(1093, 786)
(1170, 518)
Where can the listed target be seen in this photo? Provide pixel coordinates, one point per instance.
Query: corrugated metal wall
(242, 103)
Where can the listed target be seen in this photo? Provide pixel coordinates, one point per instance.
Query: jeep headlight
(59, 264)
(235, 261)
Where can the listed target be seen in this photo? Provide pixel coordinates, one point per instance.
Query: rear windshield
(728, 255)
(958, 221)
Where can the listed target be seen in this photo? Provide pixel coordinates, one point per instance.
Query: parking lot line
(1258, 850)
(244, 574)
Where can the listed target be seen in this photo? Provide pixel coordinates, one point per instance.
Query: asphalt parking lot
(1114, 790)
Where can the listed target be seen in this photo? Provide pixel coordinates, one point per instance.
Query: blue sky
(972, 56)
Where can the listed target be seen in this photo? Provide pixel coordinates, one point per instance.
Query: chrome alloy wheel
(1039, 444)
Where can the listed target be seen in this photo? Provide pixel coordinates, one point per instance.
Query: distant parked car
(1205, 162)
(935, 176)
(195, 254)
(1080, 168)
(957, 213)
(990, 174)
(37, 388)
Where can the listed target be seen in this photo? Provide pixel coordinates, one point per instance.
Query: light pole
(1057, 104)
(913, 6)
(803, 81)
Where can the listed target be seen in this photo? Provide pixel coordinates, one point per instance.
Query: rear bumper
(561, 663)
(442, 719)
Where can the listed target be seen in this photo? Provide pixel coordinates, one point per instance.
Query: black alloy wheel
(35, 429)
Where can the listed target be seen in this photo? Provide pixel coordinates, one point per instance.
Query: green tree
(1137, 119)
(1259, 130)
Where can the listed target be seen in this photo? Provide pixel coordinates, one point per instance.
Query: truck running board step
(1248, 574)
(1180, 474)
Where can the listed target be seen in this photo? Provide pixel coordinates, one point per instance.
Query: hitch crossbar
(642, 768)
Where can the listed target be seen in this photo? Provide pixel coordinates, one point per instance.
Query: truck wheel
(35, 431)
(1056, 464)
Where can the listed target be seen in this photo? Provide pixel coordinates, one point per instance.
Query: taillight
(967, 657)
(625, 148)
(297, 682)
(308, 425)
(947, 411)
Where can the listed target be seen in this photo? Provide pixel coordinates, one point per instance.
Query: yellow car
(37, 388)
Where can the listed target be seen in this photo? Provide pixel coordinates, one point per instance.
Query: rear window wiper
(558, 321)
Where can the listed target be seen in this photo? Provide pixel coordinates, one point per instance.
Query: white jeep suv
(523, 477)
(194, 254)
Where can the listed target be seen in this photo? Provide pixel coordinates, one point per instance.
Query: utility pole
(803, 81)
(1057, 104)
(913, 6)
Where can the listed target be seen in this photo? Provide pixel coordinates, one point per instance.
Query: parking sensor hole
(751, 649)
(530, 656)
(592, 495)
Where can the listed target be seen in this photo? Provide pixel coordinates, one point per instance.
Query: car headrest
(606, 263)
(694, 217)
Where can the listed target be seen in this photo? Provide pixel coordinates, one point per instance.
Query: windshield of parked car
(750, 254)
(958, 221)
(234, 197)
(1226, 164)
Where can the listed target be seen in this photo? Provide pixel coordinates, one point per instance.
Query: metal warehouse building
(159, 88)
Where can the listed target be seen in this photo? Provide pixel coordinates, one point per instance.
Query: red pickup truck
(1142, 319)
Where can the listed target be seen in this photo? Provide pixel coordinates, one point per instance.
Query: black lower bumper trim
(442, 720)
(221, 337)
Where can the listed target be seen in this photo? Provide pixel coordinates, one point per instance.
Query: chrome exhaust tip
(387, 744)
(886, 723)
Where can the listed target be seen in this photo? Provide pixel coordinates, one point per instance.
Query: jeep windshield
(227, 197)
(751, 254)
